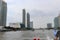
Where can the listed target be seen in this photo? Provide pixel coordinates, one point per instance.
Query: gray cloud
(39, 13)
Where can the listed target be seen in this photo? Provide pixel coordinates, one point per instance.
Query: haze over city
(41, 11)
(29, 19)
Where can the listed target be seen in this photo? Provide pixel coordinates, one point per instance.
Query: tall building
(28, 20)
(3, 13)
(24, 17)
(31, 24)
(56, 22)
(59, 20)
(49, 25)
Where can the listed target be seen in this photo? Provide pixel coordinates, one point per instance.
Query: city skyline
(43, 10)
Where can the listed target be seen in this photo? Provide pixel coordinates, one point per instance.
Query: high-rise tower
(3, 13)
(24, 17)
(57, 22)
(28, 20)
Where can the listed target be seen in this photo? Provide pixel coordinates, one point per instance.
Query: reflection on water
(27, 35)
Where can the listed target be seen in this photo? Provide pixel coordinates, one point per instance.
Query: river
(27, 35)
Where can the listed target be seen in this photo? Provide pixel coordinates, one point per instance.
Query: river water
(27, 35)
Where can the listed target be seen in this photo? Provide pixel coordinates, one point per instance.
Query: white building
(14, 25)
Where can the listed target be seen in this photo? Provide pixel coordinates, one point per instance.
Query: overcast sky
(41, 11)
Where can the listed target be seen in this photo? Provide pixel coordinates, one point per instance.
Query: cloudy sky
(41, 11)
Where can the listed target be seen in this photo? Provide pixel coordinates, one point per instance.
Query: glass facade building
(28, 20)
(24, 17)
(56, 22)
(3, 13)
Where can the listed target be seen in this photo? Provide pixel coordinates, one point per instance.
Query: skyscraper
(56, 22)
(24, 17)
(3, 13)
(28, 20)
(59, 20)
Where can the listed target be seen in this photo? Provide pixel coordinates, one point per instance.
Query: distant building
(24, 17)
(31, 24)
(28, 20)
(3, 13)
(59, 20)
(49, 25)
(56, 22)
(14, 25)
(22, 25)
